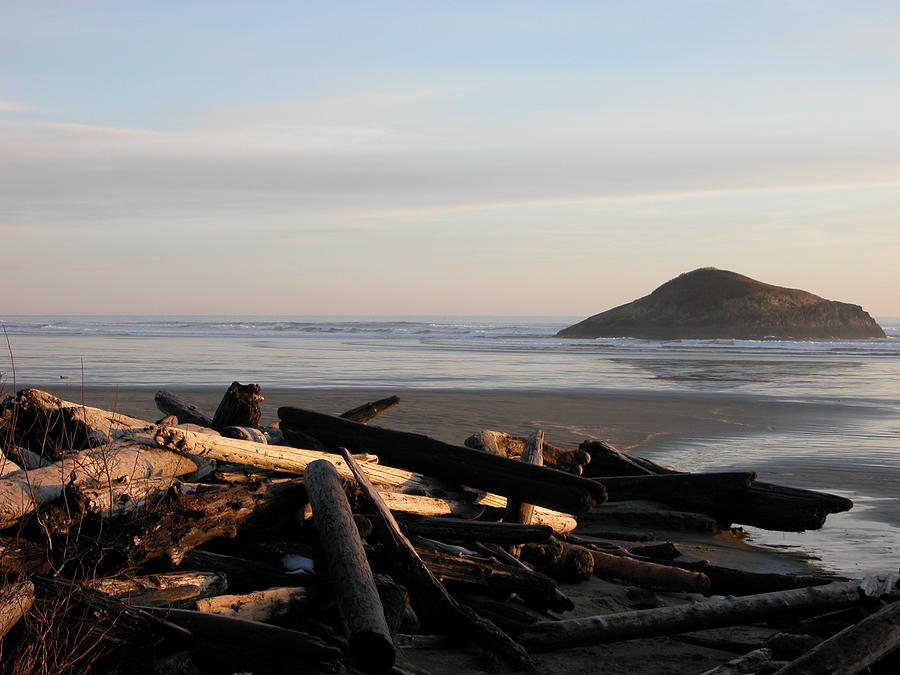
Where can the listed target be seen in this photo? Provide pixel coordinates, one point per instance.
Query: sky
(519, 158)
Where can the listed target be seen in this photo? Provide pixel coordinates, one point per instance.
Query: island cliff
(709, 303)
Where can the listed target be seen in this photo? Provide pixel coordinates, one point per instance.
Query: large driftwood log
(416, 505)
(351, 577)
(714, 613)
(15, 600)
(765, 505)
(559, 559)
(7, 465)
(518, 511)
(457, 529)
(369, 411)
(507, 445)
(187, 413)
(855, 648)
(309, 653)
(207, 583)
(55, 428)
(427, 593)
(268, 605)
(674, 486)
(415, 452)
(642, 573)
(239, 407)
(22, 492)
(295, 460)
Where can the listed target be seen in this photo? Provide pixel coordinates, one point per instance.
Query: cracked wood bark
(22, 492)
(348, 569)
(507, 445)
(853, 649)
(518, 511)
(207, 584)
(187, 413)
(543, 486)
(560, 560)
(428, 595)
(715, 613)
(15, 600)
(239, 407)
(369, 411)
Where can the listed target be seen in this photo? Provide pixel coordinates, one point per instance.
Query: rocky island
(709, 303)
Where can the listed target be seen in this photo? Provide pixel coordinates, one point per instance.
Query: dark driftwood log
(506, 445)
(239, 407)
(415, 452)
(684, 618)
(855, 648)
(368, 411)
(660, 487)
(518, 511)
(348, 569)
(310, 653)
(556, 600)
(428, 595)
(15, 600)
(765, 505)
(187, 413)
(243, 575)
(458, 529)
(642, 573)
(567, 562)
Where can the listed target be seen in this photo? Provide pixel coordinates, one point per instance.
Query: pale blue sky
(455, 157)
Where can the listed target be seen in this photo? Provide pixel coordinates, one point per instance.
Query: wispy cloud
(15, 106)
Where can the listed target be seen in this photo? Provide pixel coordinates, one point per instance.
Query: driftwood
(674, 486)
(415, 452)
(456, 529)
(239, 407)
(22, 492)
(765, 505)
(648, 574)
(206, 583)
(645, 515)
(855, 648)
(507, 445)
(15, 600)
(26, 458)
(21, 556)
(518, 511)
(714, 613)
(369, 411)
(187, 413)
(351, 577)
(427, 594)
(242, 574)
(268, 605)
(7, 465)
(295, 460)
(560, 560)
(758, 660)
(416, 505)
(54, 427)
(240, 637)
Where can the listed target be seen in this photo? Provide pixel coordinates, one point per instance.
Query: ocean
(843, 433)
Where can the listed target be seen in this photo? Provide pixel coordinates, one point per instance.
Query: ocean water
(846, 394)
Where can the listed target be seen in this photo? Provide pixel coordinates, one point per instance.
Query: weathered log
(765, 505)
(416, 505)
(268, 605)
(22, 492)
(569, 563)
(120, 496)
(239, 407)
(415, 452)
(758, 660)
(55, 428)
(645, 515)
(426, 592)
(242, 574)
(7, 465)
(311, 654)
(518, 511)
(21, 556)
(855, 648)
(348, 569)
(368, 411)
(246, 434)
(187, 413)
(457, 529)
(15, 600)
(642, 573)
(26, 458)
(674, 486)
(507, 445)
(714, 613)
(207, 583)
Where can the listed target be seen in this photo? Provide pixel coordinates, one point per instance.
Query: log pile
(206, 543)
